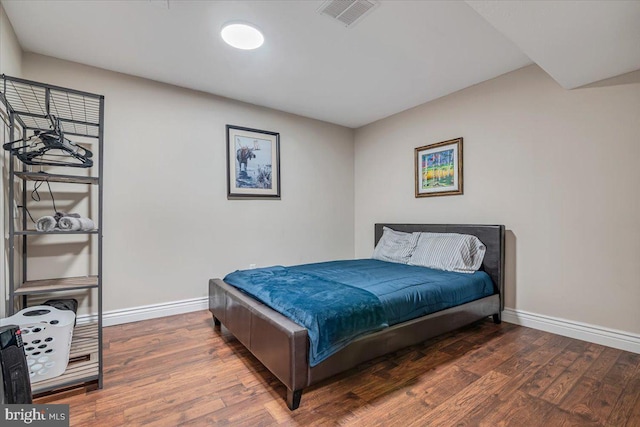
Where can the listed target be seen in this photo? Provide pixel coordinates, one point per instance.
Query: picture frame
(438, 169)
(253, 163)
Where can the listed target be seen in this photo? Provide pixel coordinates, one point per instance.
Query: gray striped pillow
(448, 251)
(395, 246)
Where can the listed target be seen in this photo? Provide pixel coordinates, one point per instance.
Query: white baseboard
(146, 312)
(568, 328)
(583, 331)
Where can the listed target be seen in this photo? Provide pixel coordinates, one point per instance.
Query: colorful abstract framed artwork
(253, 163)
(439, 169)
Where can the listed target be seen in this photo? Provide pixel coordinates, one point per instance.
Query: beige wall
(10, 64)
(168, 226)
(559, 168)
(10, 50)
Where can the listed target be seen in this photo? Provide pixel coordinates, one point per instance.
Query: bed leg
(293, 398)
(216, 323)
(497, 318)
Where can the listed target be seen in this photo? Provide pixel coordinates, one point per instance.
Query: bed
(283, 346)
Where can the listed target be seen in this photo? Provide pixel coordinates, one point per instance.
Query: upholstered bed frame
(282, 345)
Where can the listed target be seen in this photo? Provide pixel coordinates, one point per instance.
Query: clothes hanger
(16, 145)
(50, 148)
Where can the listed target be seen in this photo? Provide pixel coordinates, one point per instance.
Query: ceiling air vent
(348, 12)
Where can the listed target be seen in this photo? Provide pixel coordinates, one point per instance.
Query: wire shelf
(37, 106)
(31, 107)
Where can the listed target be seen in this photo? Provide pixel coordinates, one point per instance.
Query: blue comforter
(341, 300)
(333, 313)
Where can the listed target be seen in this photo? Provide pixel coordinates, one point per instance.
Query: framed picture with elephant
(253, 163)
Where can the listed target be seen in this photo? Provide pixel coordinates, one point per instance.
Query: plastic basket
(46, 333)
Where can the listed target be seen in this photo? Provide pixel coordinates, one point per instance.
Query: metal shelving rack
(32, 106)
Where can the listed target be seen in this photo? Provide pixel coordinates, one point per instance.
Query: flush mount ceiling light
(242, 35)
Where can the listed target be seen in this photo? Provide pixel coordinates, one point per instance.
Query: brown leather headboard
(491, 235)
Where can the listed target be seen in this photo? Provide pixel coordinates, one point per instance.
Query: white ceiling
(402, 54)
(576, 42)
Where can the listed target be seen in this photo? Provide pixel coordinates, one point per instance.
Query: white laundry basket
(46, 333)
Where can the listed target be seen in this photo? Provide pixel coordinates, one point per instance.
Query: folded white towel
(67, 223)
(46, 223)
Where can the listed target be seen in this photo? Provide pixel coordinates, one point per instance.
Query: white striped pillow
(395, 246)
(448, 251)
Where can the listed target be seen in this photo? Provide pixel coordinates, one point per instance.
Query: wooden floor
(180, 371)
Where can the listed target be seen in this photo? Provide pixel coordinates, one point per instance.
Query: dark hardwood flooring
(180, 371)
